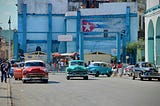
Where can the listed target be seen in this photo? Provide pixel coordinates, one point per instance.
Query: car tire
(150, 79)
(141, 78)
(134, 77)
(97, 74)
(158, 79)
(108, 75)
(45, 81)
(68, 78)
(24, 81)
(16, 78)
(85, 78)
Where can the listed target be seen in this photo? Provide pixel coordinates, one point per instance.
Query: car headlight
(69, 70)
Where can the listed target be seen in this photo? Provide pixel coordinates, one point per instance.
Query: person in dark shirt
(3, 72)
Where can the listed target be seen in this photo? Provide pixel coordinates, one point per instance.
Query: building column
(126, 35)
(24, 45)
(15, 40)
(80, 36)
(128, 23)
(78, 30)
(118, 42)
(49, 35)
(65, 32)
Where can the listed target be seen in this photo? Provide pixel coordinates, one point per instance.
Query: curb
(9, 99)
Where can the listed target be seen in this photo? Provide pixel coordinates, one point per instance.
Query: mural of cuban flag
(109, 24)
(96, 28)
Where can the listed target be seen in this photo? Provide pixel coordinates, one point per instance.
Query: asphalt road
(101, 91)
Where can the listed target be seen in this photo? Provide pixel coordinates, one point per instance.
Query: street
(102, 91)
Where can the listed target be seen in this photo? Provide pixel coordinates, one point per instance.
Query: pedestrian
(8, 68)
(62, 65)
(3, 72)
(120, 71)
(114, 68)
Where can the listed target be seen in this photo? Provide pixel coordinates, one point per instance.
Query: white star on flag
(87, 27)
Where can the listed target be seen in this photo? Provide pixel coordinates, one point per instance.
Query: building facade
(50, 26)
(152, 32)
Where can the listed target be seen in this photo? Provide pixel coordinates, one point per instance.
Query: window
(105, 33)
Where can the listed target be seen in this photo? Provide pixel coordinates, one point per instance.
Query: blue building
(49, 26)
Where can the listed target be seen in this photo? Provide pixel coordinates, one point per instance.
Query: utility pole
(9, 42)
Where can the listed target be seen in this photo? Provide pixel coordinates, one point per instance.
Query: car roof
(34, 61)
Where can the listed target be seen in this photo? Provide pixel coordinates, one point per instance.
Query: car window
(147, 65)
(96, 64)
(35, 64)
(77, 63)
(103, 65)
(150, 65)
(144, 65)
(136, 65)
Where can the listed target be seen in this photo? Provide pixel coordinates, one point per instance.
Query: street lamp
(9, 48)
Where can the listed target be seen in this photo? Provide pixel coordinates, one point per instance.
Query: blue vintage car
(76, 68)
(99, 68)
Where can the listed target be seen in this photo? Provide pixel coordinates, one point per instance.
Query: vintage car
(145, 70)
(76, 68)
(128, 70)
(99, 68)
(18, 67)
(34, 70)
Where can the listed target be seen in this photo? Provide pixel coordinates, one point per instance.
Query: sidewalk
(5, 98)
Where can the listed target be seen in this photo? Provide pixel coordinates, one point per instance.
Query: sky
(8, 9)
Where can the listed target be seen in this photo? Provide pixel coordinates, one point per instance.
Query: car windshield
(35, 64)
(148, 65)
(96, 64)
(77, 63)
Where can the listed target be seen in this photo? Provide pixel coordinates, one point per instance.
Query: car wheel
(85, 78)
(141, 78)
(150, 79)
(68, 78)
(16, 78)
(97, 74)
(134, 77)
(158, 79)
(24, 81)
(108, 75)
(45, 81)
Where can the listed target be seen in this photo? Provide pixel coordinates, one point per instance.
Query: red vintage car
(18, 67)
(34, 70)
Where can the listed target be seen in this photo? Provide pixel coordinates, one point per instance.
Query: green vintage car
(76, 68)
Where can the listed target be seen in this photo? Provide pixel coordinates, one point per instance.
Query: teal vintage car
(99, 68)
(76, 68)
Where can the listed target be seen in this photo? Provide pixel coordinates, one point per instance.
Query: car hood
(74, 68)
(35, 69)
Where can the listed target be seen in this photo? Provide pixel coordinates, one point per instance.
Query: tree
(131, 49)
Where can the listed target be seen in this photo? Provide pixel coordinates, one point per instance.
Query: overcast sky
(8, 8)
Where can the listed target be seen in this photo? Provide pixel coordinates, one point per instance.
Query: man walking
(3, 72)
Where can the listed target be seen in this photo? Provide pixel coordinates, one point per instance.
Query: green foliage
(131, 47)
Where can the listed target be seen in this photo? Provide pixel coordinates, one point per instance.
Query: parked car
(145, 70)
(35, 70)
(18, 67)
(99, 68)
(76, 68)
(128, 70)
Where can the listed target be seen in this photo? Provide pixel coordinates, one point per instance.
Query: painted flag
(90, 25)
(87, 26)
